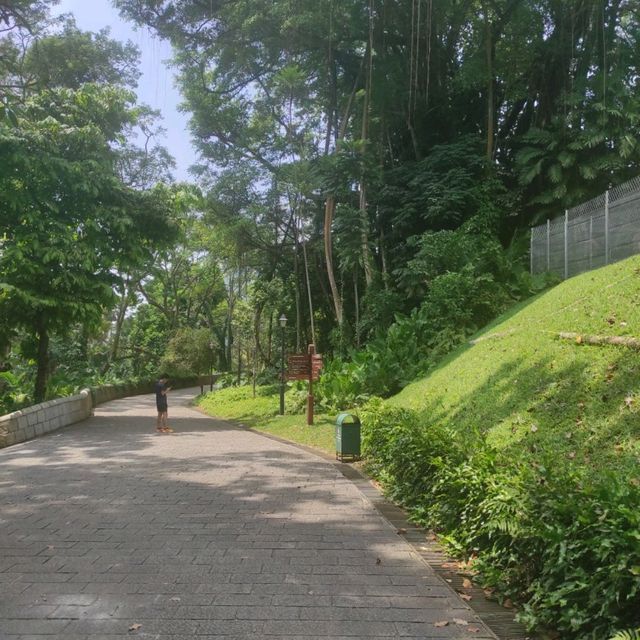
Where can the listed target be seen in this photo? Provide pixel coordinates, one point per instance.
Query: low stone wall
(45, 417)
(115, 391)
(35, 421)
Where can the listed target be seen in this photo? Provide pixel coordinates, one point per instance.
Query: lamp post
(283, 324)
(211, 346)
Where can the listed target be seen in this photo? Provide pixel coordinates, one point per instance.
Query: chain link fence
(591, 235)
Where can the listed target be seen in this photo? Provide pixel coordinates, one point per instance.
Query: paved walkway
(109, 530)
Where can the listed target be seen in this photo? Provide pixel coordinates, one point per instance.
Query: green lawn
(261, 413)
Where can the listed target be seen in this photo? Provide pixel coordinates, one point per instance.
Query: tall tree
(367, 97)
(68, 221)
(73, 57)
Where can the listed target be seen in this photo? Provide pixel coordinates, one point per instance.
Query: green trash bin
(347, 437)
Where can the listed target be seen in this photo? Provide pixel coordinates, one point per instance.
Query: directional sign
(298, 367)
(302, 366)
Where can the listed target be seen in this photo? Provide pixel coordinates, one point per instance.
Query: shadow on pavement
(211, 531)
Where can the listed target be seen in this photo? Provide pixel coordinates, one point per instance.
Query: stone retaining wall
(35, 421)
(109, 392)
(45, 417)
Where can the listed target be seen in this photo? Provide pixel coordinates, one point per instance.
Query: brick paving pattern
(109, 530)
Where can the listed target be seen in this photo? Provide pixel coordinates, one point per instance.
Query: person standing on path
(161, 390)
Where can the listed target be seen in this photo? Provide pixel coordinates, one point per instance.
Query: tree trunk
(364, 217)
(326, 294)
(306, 272)
(329, 210)
(490, 88)
(42, 372)
(357, 303)
(229, 334)
(333, 99)
(122, 312)
(270, 339)
(257, 325)
(383, 259)
(414, 140)
(296, 270)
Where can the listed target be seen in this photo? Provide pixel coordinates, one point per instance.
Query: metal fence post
(590, 243)
(606, 227)
(548, 245)
(566, 243)
(531, 252)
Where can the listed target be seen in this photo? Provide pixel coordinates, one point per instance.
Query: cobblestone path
(109, 530)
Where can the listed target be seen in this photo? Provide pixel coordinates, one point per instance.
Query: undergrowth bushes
(562, 541)
(457, 282)
(458, 305)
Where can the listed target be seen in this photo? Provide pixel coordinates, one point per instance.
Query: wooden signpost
(306, 366)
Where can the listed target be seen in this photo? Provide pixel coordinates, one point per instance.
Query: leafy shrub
(460, 281)
(457, 305)
(587, 539)
(270, 375)
(12, 394)
(341, 384)
(561, 541)
(227, 379)
(380, 307)
(295, 398)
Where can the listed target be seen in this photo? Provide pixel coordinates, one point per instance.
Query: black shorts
(162, 407)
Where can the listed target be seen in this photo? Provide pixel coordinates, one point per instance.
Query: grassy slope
(527, 391)
(261, 413)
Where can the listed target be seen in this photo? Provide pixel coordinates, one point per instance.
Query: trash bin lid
(347, 419)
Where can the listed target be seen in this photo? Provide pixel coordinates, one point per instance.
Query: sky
(156, 85)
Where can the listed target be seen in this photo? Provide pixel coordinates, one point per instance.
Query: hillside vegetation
(523, 389)
(522, 450)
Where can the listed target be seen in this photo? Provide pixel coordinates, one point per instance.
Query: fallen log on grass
(619, 341)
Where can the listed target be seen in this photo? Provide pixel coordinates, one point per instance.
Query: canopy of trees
(368, 168)
(338, 137)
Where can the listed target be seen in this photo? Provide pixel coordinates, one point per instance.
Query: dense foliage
(559, 540)
(346, 148)
(367, 168)
(72, 221)
(522, 451)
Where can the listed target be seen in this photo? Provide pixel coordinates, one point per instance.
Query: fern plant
(629, 634)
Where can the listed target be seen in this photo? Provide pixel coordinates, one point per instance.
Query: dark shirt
(161, 398)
